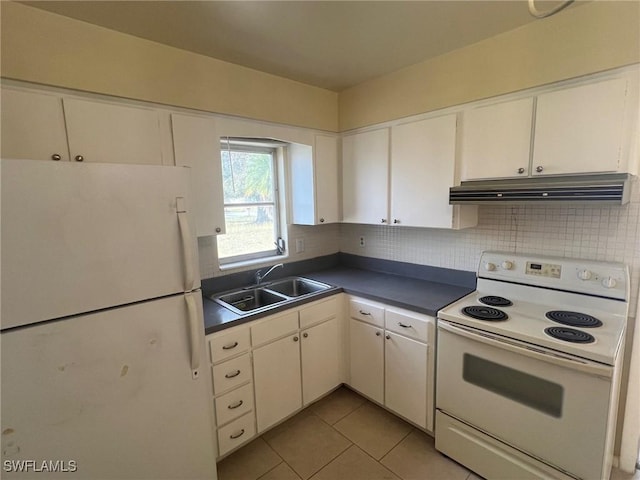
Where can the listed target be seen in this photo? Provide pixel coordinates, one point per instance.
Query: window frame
(265, 146)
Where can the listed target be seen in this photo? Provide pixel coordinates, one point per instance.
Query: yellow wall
(590, 38)
(50, 49)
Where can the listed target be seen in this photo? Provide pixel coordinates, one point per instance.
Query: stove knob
(490, 267)
(609, 282)
(507, 265)
(584, 274)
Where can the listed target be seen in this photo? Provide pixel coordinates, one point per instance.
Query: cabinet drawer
(367, 312)
(227, 344)
(234, 404)
(236, 433)
(318, 312)
(231, 374)
(274, 328)
(409, 324)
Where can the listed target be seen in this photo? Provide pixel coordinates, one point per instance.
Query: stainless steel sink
(295, 287)
(245, 301)
(257, 298)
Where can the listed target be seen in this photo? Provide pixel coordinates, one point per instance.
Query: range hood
(608, 189)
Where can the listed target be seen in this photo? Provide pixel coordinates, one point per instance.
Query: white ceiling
(330, 44)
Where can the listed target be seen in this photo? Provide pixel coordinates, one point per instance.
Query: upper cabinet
(423, 159)
(33, 126)
(44, 126)
(496, 140)
(579, 129)
(196, 144)
(365, 177)
(111, 133)
(401, 176)
(315, 198)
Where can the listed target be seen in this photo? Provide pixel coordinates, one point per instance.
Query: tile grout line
(398, 443)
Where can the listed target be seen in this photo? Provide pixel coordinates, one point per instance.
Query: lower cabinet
(321, 359)
(297, 359)
(267, 370)
(405, 373)
(392, 359)
(277, 380)
(236, 433)
(366, 354)
(233, 396)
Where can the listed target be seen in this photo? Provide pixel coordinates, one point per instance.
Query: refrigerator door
(109, 395)
(82, 237)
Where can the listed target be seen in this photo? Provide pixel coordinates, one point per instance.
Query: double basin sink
(257, 298)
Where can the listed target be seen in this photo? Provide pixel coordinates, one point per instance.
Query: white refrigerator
(103, 363)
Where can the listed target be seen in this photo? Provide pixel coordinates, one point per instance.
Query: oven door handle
(532, 351)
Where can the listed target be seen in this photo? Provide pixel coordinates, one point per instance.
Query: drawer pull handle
(403, 325)
(236, 405)
(378, 334)
(231, 375)
(230, 346)
(387, 337)
(237, 435)
(362, 312)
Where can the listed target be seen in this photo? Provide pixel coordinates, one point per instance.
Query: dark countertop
(422, 295)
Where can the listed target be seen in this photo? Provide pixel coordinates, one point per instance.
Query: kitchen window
(251, 210)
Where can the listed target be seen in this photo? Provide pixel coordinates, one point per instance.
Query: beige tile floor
(345, 437)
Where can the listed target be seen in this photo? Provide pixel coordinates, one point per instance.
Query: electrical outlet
(362, 241)
(299, 245)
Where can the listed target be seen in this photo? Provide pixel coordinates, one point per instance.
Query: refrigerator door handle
(187, 245)
(195, 327)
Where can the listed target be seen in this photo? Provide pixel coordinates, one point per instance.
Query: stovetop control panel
(573, 275)
(552, 270)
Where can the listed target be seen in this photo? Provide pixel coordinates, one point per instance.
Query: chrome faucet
(260, 278)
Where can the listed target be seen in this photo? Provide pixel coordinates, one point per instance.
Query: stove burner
(495, 301)
(573, 319)
(481, 312)
(569, 335)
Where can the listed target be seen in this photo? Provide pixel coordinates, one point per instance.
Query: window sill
(254, 262)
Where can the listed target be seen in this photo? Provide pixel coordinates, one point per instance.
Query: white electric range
(528, 367)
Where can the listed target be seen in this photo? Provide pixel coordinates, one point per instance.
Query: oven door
(551, 406)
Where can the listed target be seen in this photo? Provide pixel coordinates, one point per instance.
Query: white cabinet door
(365, 177)
(197, 145)
(320, 360)
(33, 126)
(302, 184)
(496, 140)
(276, 369)
(422, 171)
(406, 377)
(580, 129)
(326, 179)
(110, 133)
(366, 347)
